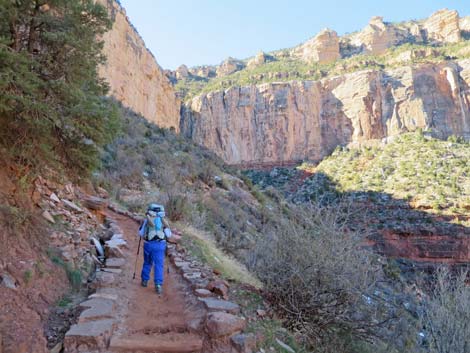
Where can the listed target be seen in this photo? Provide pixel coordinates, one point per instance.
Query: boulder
(95, 203)
(244, 343)
(220, 324)
(219, 287)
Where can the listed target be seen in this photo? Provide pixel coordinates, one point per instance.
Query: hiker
(155, 231)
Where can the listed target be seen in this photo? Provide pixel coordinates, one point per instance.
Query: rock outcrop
(205, 71)
(443, 26)
(378, 36)
(323, 48)
(258, 60)
(229, 66)
(291, 121)
(182, 72)
(134, 76)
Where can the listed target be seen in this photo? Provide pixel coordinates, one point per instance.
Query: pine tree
(53, 109)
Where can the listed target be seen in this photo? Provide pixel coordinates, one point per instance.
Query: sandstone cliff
(443, 26)
(290, 121)
(378, 36)
(323, 48)
(134, 76)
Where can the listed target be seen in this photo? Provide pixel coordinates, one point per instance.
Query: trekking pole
(138, 251)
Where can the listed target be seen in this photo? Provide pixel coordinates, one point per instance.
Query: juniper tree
(52, 105)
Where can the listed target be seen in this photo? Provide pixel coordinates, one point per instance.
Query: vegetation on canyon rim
(286, 68)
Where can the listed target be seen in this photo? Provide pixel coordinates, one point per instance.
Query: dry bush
(320, 278)
(446, 315)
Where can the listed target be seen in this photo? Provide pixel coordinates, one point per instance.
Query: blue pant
(154, 254)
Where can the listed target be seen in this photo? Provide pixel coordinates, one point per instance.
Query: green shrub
(52, 105)
(74, 276)
(27, 276)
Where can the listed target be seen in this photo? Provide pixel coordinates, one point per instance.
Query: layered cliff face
(443, 26)
(134, 76)
(378, 36)
(291, 121)
(323, 48)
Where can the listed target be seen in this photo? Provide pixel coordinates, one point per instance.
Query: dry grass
(202, 245)
(446, 314)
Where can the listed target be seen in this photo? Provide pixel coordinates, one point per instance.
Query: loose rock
(244, 343)
(48, 217)
(71, 205)
(221, 324)
(7, 281)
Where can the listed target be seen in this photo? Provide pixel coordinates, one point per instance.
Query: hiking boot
(143, 283)
(158, 288)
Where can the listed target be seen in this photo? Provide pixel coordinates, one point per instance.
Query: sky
(203, 32)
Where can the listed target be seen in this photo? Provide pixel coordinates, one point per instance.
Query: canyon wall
(134, 76)
(298, 120)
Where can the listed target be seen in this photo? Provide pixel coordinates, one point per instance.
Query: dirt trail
(171, 322)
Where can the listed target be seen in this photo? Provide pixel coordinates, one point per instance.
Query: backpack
(152, 227)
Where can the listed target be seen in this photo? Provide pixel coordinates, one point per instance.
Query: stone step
(213, 304)
(165, 343)
(97, 309)
(90, 335)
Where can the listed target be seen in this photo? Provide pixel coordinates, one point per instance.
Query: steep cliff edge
(291, 121)
(134, 76)
(300, 103)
